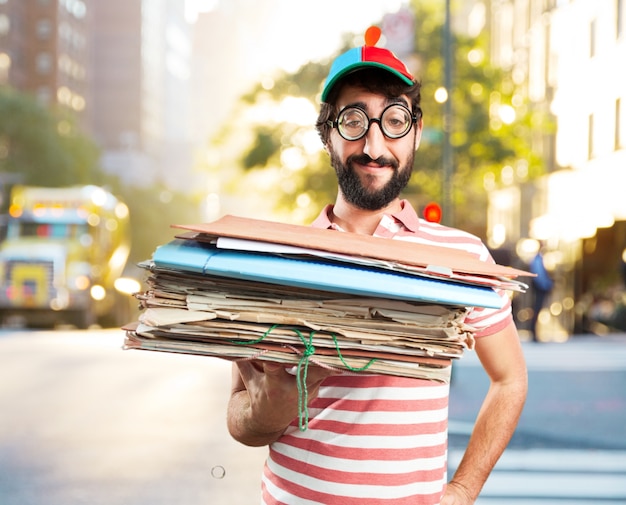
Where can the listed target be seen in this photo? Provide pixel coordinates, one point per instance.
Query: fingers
(272, 368)
(246, 369)
(316, 374)
(258, 372)
(255, 369)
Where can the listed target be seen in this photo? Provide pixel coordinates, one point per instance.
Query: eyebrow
(388, 101)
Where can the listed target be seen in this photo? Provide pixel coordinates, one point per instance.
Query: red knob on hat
(372, 35)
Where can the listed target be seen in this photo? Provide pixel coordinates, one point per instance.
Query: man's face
(373, 170)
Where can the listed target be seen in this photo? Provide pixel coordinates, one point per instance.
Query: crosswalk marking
(546, 476)
(570, 356)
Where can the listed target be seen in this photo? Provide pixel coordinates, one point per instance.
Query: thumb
(272, 368)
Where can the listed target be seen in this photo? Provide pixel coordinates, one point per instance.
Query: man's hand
(264, 399)
(502, 358)
(456, 494)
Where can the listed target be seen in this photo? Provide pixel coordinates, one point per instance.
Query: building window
(5, 24)
(590, 138)
(44, 95)
(618, 124)
(592, 39)
(44, 29)
(43, 63)
(77, 8)
(5, 66)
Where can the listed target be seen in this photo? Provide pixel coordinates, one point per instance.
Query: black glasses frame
(413, 117)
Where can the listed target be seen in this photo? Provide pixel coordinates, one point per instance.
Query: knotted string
(301, 375)
(303, 367)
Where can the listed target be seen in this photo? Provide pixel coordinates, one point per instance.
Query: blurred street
(84, 422)
(570, 445)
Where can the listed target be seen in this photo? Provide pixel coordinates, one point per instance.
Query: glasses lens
(352, 123)
(396, 121)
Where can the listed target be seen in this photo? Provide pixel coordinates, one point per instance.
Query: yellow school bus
(63, 251)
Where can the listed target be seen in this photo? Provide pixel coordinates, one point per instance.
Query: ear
(418, 134)
(327, 146)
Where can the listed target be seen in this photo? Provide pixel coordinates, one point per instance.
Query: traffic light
(432, 212)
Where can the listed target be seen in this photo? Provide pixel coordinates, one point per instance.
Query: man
(375, 439)
(542, 286)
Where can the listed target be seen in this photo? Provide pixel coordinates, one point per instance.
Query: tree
(44, 146)
(152, 210)
(483, 143)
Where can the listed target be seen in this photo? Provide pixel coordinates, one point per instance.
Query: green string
(258, 340)
(352, 369)
(303, 368)
(301, 376)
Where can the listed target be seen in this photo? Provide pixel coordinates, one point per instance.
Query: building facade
(141, 79)
(45, 49)
(565, 56)
(122, 67)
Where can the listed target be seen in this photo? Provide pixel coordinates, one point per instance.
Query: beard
(354, 190)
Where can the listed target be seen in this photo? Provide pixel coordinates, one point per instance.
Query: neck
(361, 221)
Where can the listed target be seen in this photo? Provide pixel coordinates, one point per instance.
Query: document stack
(243, 288)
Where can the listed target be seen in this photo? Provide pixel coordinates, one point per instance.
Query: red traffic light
(432, 212)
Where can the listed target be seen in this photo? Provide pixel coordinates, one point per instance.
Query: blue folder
(206, 259)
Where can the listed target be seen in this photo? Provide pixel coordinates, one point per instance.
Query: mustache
(364, 159)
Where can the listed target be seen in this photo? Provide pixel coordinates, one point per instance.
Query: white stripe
(385, 393)
(359, 417)
(362, 466)
(355, 491)
(283, 496)
(512, 500)
(379, 442)
(473, 247)
(481, 318)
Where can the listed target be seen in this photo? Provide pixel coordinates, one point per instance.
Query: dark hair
(372, 79)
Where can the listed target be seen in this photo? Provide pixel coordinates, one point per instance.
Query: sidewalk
(579, 352)
(616, 338)
(576, 397)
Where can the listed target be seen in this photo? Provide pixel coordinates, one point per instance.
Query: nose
(374, 141)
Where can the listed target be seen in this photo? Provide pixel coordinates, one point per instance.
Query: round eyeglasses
(395, 122)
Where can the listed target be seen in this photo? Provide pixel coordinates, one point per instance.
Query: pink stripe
(342, 394)
(319, 496)
(390, 429)
(364, 454)
(359, 478)
(381, 405)
(377, 381)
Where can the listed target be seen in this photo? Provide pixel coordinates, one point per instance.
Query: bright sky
(292, 42)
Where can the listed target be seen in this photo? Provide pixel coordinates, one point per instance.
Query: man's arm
(502, 358)
(264, 400)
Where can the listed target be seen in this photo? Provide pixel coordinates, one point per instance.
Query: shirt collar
(406, 216)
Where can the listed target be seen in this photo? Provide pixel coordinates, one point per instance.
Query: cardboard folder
(435, 258)
(206, 259)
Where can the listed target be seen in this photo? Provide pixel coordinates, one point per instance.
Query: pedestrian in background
(542, 286)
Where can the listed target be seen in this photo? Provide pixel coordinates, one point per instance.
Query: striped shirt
(375, 439)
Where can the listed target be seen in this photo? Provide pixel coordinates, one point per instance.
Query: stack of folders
(249, 289)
